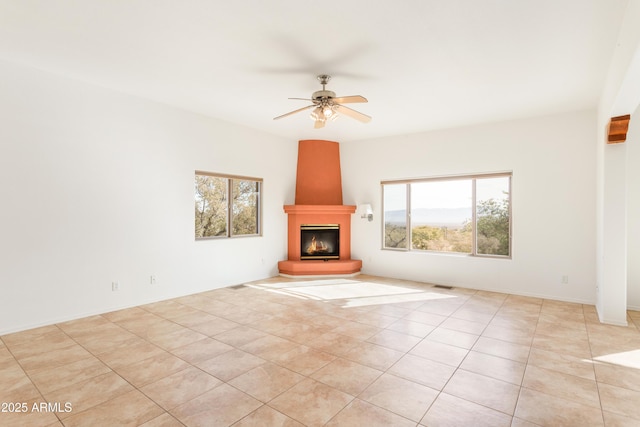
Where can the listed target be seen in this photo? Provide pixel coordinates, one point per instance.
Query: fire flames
(317, 246)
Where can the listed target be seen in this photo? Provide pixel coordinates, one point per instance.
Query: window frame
(472, 178)
(229, 204)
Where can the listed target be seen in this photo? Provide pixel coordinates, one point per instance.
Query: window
(465, 214)
(226, 205)
(395, 215)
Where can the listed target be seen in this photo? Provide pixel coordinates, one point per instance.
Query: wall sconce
(366, 211)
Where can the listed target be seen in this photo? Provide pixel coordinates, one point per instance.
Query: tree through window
(226, 206)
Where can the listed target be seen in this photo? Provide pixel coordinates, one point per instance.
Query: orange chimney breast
(319, 179)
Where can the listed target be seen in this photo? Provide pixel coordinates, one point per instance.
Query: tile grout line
(593, 366)
(526, 365)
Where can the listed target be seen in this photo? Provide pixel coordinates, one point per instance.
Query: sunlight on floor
(630, 359)
(353, 292)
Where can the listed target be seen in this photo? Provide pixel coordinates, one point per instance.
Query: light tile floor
(364, 351)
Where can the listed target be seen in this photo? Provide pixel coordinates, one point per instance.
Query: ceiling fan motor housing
(322, 94)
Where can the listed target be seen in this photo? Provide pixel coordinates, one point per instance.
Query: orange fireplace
(319, 203)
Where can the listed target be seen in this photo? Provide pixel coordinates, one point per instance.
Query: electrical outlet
(565, 280)
(115, 286)
(152, 279)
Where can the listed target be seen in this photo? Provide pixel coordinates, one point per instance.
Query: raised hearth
(349, 267)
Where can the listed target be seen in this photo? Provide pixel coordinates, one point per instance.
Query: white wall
(97, 186)
(553, 164)
(633, 211)
(620, 95)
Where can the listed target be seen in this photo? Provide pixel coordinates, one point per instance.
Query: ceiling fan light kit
(327, 106)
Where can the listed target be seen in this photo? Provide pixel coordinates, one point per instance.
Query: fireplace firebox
(319, 241)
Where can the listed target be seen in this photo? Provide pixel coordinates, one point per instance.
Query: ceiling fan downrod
(324, 80)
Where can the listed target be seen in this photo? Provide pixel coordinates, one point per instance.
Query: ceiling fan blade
(319, 124)
(353, 114)
(295, 111)
(302, 99)
(349, 99)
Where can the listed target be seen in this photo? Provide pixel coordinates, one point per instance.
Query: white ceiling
(423, 64)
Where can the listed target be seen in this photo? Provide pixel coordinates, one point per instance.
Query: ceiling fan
(327, 106)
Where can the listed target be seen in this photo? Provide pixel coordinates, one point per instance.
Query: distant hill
(439, 217)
